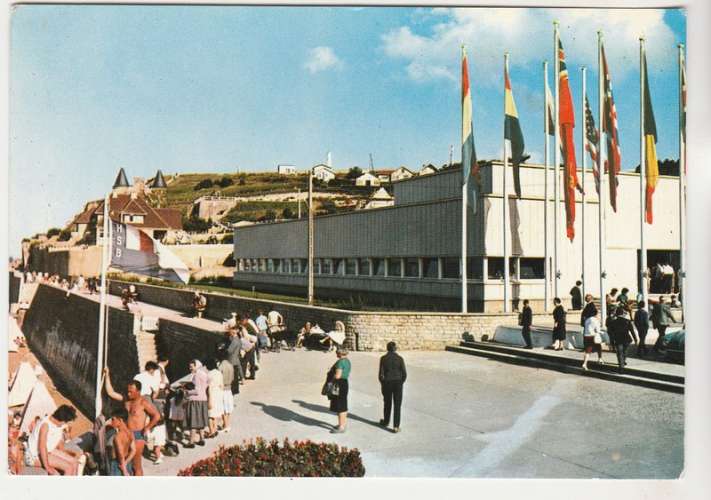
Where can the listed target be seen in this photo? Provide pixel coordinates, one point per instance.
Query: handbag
(330, 390)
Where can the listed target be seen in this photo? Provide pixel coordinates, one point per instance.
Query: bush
(64, 235)
(203, 184)
(196, 224)
(260, 458)
(53, 232)
(228, 238)
(225, 181)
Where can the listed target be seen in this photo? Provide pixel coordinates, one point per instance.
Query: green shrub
(260, 458)
(195, 224)
(203, 184)
(228, 238)
(64, 235)
(225, 181)
(53, 232)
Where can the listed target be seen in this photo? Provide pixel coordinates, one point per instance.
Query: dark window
(363, 267)
(430, 267)
(338, 265)
(394, 267)
(350, 266)
(270, 265)
(295, 266)
(532, 269)
(496, 267)
(475, 268)
(285, 266)
(159, 235)
(277, 265)
(450, 267)
(304, 266)
(412, 268)
(378, 267)
(326, 266)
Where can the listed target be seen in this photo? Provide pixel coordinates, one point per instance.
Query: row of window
(401, 267)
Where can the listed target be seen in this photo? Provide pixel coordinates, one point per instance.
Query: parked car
(674, 343)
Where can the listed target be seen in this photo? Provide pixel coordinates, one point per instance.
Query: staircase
(549, 360)
(146, 342)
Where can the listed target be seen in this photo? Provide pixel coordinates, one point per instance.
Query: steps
(146, 342)
(525, 357)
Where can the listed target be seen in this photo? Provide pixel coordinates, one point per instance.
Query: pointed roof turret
(159, 181)
(121, 180)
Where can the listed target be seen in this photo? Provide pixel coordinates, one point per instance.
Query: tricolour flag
(651, 165)
(592, 140)
(470, 168)
(512, 131)
(613, 160)
(567, 124)
(133, 250)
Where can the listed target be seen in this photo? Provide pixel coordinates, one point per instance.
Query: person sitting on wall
(199, 304)
(317, 339)
(125, 298)
(133, 294)
(303, 333)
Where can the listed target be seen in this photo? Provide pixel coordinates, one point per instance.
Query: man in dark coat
(641, 322)
(661, 319)
(576, 296)
(526, 321)
(621, 334)
(589, 310)
(559, 330)
(392, 376)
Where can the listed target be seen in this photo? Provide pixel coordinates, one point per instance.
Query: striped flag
(470, 168)
(567, 124)
(592, 140)
(651, 165)
(133, 250)
(512, 131)
(613, 160)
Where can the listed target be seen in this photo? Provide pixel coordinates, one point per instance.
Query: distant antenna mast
(451, 151)
(371, 162)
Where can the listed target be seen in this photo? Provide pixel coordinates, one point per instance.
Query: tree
(204, 184)
(354, 172)
(195, 224)
(225, 181)
(64, 235)
(287, 213)
(53, 232)
(242, 180)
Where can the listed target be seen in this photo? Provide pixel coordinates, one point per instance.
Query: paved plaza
(464, 417)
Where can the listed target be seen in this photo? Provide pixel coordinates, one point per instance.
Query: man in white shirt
(592, 340)
(150, 379)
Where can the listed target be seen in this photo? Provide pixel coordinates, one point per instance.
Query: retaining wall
(365, 330)
(181, 343)
(62, 332)
(15, 282)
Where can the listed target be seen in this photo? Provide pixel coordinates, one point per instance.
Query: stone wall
(199, 256)
(73, 261)
(15, 282)
(181, 343)
(365, 330)
(62, 332)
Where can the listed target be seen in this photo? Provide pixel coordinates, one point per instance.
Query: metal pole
(556, 165)
(102, 311)
(506, 203)
(298, 200)
(546, 201)
(601, 174)
(311, 240)
(642, 174)
(582, 154)
(465, 296)
(682, 180)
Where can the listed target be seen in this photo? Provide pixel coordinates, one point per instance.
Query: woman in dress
(592, 339)
(341, 371)
(215, 394)
(196, 412)
(559, 327)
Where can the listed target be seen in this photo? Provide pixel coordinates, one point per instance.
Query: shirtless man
(124, 447)
(139, 410)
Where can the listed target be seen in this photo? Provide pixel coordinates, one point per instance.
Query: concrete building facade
(408, 255)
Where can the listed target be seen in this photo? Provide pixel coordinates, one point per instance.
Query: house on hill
(384, 175)
(324, 173)
(381, 198)
(286, 169)
(401, 173)
(367, 179)
(428, 170)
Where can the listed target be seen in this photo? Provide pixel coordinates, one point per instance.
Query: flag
(133, 250)
(613, 159)
(550, 111)
(650, 145)
(567, 124)
(592, 140)
(512, 131)
(470, 168)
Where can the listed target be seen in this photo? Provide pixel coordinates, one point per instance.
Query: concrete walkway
(463, 416)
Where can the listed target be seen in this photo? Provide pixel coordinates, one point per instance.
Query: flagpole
(556, 161)
(601, 177)
(506, 202)
(108, 265)
(465, 201)
(642, 174)
(682, 179)
(102, 311)
(546, 201)
(582, 154)
(310, 292)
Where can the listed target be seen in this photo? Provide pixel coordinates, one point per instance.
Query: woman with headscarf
(196, 411)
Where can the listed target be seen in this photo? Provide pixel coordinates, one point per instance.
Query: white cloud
(528, 35)
(321, 59)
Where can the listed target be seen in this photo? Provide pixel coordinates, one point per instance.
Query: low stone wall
(181, 343)
(365, 330)
(62, 332)
(15, 282)
(200, 256)
(72, 261)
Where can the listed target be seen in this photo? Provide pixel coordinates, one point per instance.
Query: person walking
(592, 339)
(526, 322)
(641, 322)
(392, 375)
(621, 334)
(339, 373)
(611, 302)
(589, 310)
(661, 319)
(576, 296)
(559, 315)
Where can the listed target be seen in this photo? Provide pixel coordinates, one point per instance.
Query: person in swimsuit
(142, 416)
(124, 445)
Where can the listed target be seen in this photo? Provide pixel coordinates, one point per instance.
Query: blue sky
(213, 89)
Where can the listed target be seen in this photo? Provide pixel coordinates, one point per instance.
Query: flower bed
(272, 459)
